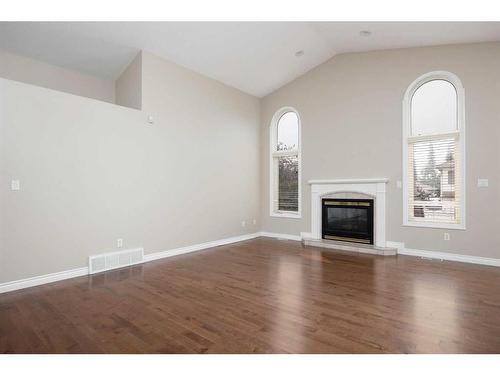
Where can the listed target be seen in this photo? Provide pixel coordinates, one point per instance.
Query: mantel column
(380, 216)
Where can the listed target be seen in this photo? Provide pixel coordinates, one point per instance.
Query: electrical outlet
(119, 243)
(446, 236)
(243, 223)
(254, 221)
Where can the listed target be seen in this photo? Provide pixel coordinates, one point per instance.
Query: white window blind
(434, 193)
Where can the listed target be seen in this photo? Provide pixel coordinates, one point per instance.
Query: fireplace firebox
(348, 220)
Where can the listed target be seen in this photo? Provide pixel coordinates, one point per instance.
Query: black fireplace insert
(348, 220)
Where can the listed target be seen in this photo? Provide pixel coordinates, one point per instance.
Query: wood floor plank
(262, 296)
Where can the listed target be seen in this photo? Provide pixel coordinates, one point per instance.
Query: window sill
(434, 225)
(288, 215)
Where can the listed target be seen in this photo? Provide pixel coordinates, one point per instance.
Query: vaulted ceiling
(255, 57)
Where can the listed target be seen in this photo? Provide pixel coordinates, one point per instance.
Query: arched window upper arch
(434, 152)
(285, 168)
(287, 131)
(434, 108)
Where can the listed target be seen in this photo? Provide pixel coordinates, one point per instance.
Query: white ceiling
(255, 57)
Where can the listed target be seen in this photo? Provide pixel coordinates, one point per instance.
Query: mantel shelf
(350, 181)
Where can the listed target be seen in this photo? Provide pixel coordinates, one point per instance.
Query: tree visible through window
(288, 171)
(285, 163)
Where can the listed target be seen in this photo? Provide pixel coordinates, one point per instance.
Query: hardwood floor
(262, 296)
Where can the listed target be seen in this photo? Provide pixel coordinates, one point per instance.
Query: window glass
(285, 164)
(434, 108)
(434, 180)
(288, 178)
(288, 132)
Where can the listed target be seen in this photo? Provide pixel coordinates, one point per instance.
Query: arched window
(285, 183)
(434, 150)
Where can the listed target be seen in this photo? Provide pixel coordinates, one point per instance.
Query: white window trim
(273, 153)
(455, 81)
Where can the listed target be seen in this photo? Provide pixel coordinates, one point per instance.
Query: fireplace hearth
(348, 220)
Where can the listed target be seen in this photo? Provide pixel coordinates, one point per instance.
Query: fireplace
(348, 220)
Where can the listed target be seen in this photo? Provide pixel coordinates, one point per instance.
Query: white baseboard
(443, 255)
(450, 256)
(58, 276)
(43, 279)
(281, 236)
(197, 247)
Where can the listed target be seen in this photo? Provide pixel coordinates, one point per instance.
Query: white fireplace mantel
(373, 187)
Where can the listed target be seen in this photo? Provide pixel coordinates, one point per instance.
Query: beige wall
(38, 73)
(351, 111)
(92, 172)
(209, 136)
(128, 87)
